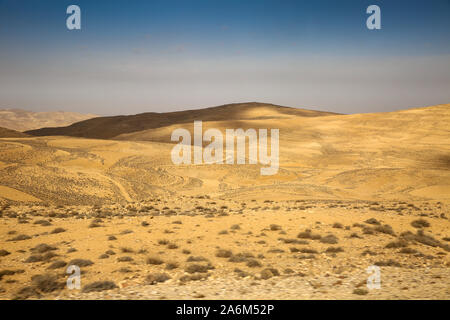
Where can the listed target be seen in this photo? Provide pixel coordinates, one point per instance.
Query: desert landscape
(352, 191)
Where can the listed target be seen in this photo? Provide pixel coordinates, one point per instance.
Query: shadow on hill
(110, 127)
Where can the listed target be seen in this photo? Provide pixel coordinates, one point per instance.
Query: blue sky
(137, 56)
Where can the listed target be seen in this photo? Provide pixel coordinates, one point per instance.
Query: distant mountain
(8, 133)
(22, 120)
(111, 127)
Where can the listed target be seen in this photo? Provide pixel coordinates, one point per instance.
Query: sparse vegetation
(329, 239)
(397, 244)
(154, 261)
(58, 230)
(420, 223)
(334, 250)
(80, 262)
(372, 221)
(20, 237)
(360, 291)
(46, 283)
(99, 286)
(155, 278)
(307, 234)
(222, 253)
(197, 268)
(4, 253)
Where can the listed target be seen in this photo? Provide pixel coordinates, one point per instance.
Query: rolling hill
(111, 127)
(393, 155)
(8, 133)
(22, 120)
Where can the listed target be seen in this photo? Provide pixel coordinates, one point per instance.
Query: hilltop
(115, 126)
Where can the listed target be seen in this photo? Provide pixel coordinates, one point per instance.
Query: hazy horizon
(187, 108)
(162, 56)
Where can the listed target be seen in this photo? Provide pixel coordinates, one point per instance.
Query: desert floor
(225, 249)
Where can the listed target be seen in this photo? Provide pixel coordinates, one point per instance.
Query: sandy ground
(255, 237)
(373, 189)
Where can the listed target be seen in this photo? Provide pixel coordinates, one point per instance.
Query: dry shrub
(241, 257)
(58, 230)
(42, 248)
(293, 241)
(125, 259)
(171, 265)
(329, 239)
(360, 291)
(194, 277)
(424, 239)
(222, 253)
(253, 263)
(94, 225)
(99, 286)
(155, 278)
(355, 235)
(154, 261)
(20, 237)
(420, 223)
(307, 234)
(369, 252)
(43, 223)
(367, 230)
(38, 257)
(46, 283)
(80, 262)
(57, 264)
(397, 244)
(9, 273)
(196, 259)
(307, 250)
(269, 273)
(4, 253)
(198, 268)
(408, 251)
(372, 221)
(387, 229)
(275, 227)
(334, 250)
